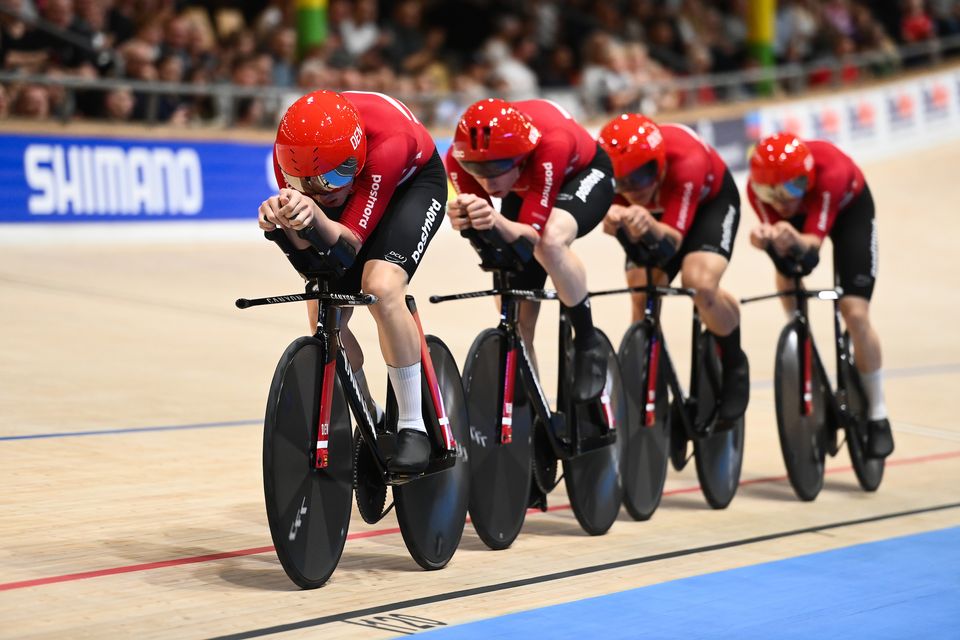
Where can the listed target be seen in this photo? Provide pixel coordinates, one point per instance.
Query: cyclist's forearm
(809, 242)
(666, 231)
(511, 231)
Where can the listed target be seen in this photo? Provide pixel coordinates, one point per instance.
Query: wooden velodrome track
(153, 525)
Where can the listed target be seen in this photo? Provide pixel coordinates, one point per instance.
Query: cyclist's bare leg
(702, 271)
(866, 343)
(570, 278)
(553, 252)
(399, 339)
(866, 347)
(400, 344)
(349, 341)
(529, 312)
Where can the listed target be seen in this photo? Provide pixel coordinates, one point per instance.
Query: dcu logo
(902, 109)
(936, 99)
(826, 123)
(863, 118)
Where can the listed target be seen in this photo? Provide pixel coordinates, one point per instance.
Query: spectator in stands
(315, 74)
(917, 25)
(359, 30)
(33, 102)
(283, 49)
(118, 105)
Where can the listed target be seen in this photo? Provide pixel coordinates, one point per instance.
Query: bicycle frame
(499, 258)
(335, 364)
(658, 357)
(808, 352)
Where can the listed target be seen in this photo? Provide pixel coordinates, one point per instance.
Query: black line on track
(513, 584)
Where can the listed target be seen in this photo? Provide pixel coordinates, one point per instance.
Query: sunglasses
(783, 192)
(333, 180)
(638, 179)
(490, 168)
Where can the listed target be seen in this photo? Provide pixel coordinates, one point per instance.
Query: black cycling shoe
(735, 390)
(589, 371)
(879, 438)
(413, 452)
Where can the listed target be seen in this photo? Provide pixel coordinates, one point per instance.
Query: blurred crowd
(594, 56)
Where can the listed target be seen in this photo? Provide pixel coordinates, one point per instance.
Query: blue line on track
(103, 432)
(901, 372)
(906, 587)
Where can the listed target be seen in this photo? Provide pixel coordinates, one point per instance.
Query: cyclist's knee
(550, 249)
(856, 313)
(704, 281)
(388, 286)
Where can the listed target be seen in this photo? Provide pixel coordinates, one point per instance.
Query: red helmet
(635, 146)
(320, 144)
(781, 167)
(492, 137)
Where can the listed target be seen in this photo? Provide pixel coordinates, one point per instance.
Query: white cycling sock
(406, 386)
(873, 386)
(361, 379)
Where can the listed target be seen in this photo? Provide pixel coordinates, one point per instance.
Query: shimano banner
(82, 179)
(67, 179)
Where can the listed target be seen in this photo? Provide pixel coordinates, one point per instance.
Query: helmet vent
(479, 138)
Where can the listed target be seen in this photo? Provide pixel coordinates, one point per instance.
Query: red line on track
(147, 566)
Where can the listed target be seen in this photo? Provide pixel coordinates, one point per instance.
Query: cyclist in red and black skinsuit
(675, 192)
(804, 191)
(555, 184)
(359, 167)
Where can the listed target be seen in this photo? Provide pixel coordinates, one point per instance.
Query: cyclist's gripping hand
(784, 237)
(481, 213)
(760, 236)
(457, 212)
(638, 223)
(614, 219)
(298, 211)
(268, 212)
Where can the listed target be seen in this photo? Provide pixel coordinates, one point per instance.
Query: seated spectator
(916, 25)
(118, 105)
(33, 102)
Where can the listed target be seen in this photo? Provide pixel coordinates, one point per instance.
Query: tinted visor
(640, 178)
(490, 168)
(783, 192)
(333, 180)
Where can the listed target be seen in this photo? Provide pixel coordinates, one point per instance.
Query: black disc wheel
(802, 437)
(869, 471)
(308, 509)
(719, 456)
(500, 474)
(432, 510)
(645, 449)
(593, 478)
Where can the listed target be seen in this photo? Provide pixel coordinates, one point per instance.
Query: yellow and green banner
(761, 26)
(311, 24)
